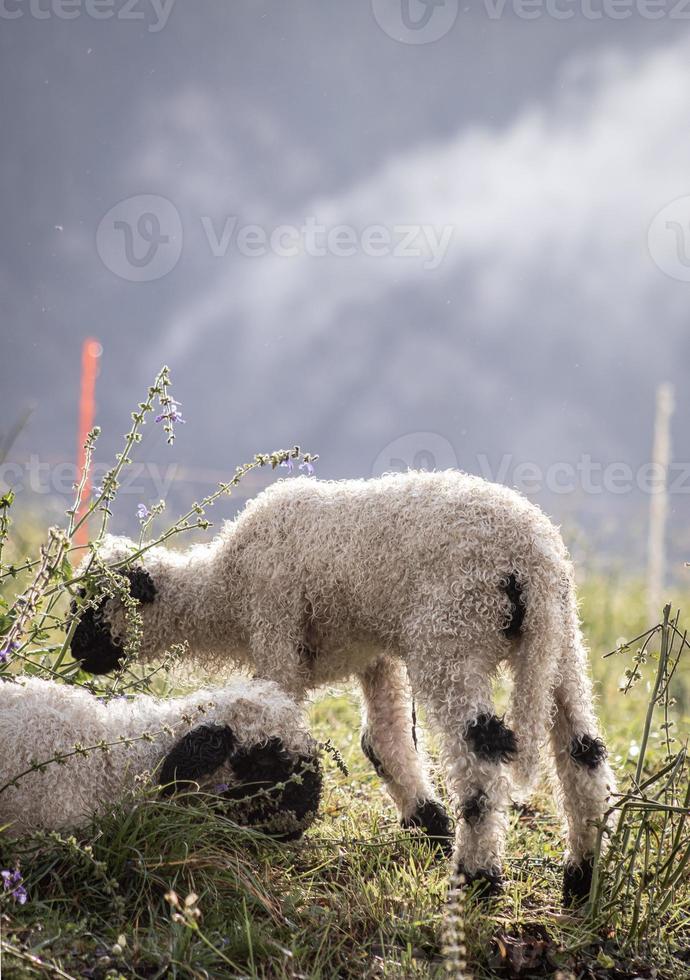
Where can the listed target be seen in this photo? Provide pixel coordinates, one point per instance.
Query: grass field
(357, 897)
(164, 888)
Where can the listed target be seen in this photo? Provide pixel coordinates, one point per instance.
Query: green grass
(357, 897)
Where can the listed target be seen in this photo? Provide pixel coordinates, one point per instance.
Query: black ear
(199, 753)
(141, 585)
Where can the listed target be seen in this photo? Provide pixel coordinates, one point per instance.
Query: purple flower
(143, 512)
(309, 467)
(7, 650)
(171, 413)
(12, 883)
(289, 464)
(221, 788)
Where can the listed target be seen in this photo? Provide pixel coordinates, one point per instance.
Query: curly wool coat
(232, 741)
(427, 581)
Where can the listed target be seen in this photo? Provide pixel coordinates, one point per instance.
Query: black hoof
(431, 818)
(577, 882)
(484, 884)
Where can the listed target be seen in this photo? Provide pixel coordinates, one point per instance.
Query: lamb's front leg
(388, 741)
(478, 750)
(278, 654)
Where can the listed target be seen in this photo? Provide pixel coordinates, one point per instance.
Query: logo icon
(415, 451)
(669, 239)
(415, 21)
(140, 239)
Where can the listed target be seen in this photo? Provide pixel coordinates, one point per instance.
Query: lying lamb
(238, 742)
(435, 577)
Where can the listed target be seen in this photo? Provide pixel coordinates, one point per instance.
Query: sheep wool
(420, 583)
(235, 742)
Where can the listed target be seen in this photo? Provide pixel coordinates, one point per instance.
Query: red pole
(90, 352)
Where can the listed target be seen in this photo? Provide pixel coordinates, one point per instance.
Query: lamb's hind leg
(478, 750)
(586, 780)
(389, 742)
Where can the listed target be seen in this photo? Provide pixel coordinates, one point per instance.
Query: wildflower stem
(60, 757)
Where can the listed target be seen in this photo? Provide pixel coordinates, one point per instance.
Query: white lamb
(237, 742)
(438, 578)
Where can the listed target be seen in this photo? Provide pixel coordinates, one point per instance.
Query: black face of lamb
(490, 739)
(577, 882)
(475, 807)
(370, 754)
(198, 754)
(259, 768)
(588, 751)
(513, 590)
(431, 818)
(92, 645)
(302, 798)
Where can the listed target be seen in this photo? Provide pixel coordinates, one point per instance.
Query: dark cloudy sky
(522, 156)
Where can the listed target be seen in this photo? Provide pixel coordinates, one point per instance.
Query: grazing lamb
(435, 578)
(234, 742)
